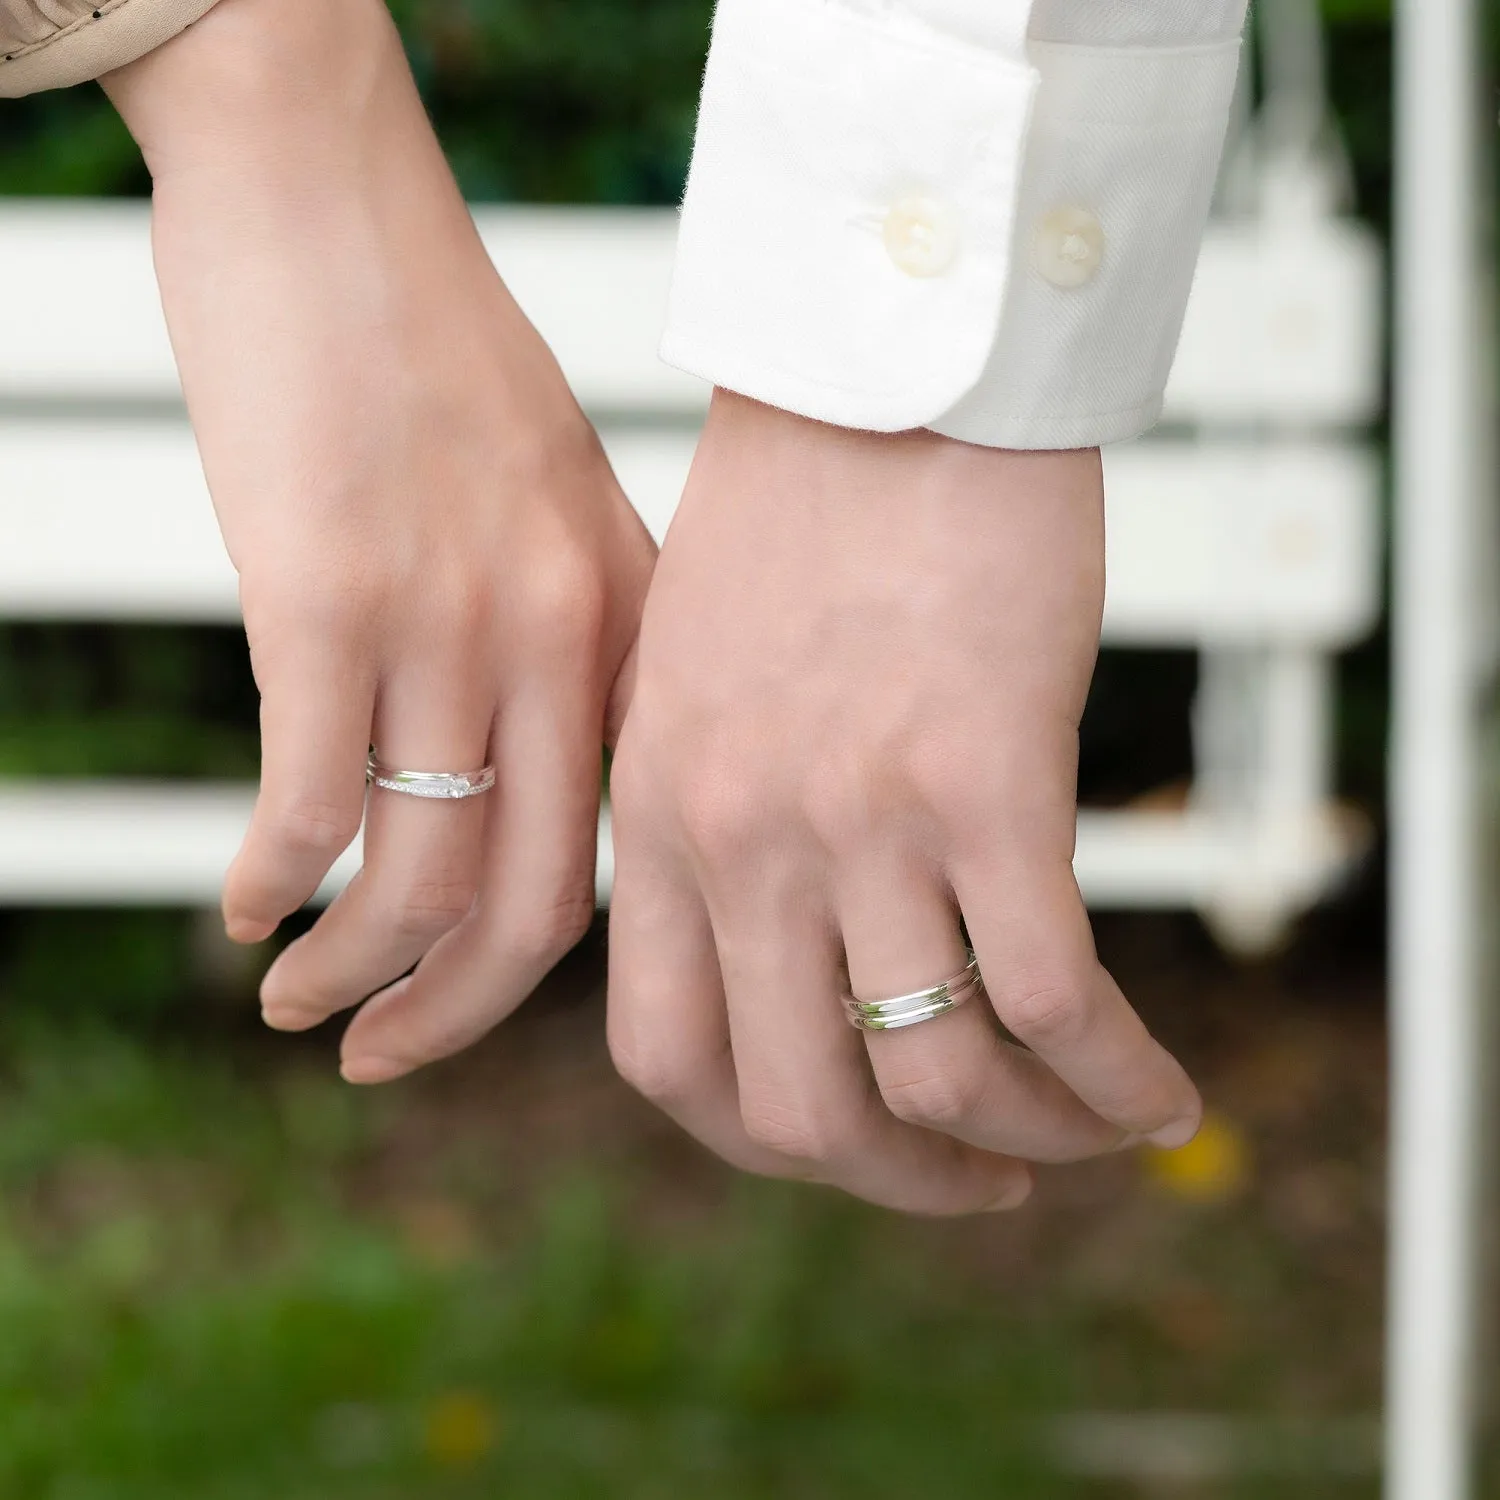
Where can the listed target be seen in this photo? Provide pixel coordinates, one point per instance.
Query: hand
(862, 668)
(433, 553)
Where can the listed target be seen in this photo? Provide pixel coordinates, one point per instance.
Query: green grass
(214, 1284)
(191, 1306)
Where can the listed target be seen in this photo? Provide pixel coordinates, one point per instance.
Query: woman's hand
(434, 556)
(861, 672)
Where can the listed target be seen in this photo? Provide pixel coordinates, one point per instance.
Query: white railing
(1251, 537)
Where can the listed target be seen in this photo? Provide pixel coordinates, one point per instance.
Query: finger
(953, 1073)
(315, 733)
(421, 859)
(1036, 951)
(804, 1081)
(668, 1031)
(535, 902)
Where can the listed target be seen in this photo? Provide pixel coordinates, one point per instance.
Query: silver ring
(919, 1005)
(444, 784)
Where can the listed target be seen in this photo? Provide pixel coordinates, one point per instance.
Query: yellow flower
(1212, 1167)
(458, 1429)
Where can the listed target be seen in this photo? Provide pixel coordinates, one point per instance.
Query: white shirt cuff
(834, 146)
(887, 227)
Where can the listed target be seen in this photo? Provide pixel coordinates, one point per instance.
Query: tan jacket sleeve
(49, 44)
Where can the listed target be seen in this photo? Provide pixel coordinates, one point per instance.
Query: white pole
(1439, 639)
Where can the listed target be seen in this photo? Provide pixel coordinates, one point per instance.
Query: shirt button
(1069, 246)
(921, 236)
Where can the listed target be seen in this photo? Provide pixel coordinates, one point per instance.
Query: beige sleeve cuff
(50, 44)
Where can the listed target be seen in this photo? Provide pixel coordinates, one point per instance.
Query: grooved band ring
(919, 1005)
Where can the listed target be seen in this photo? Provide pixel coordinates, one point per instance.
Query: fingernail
(1129, 1143)
(289, 1017)
(1015, 1194)
(1178, 1133)
(372, 1069)
(243, 930)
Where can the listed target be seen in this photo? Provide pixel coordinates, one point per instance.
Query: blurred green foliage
(577, 101)
(125, 700)
(561, 100)
(210, 1291)
(182, 1276)
(537, 100)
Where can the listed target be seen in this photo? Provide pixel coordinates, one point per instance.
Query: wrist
(269, 91)
(284, 134)
(877, 480)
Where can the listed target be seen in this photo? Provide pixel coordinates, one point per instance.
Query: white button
(1068, 247)
(921, 236)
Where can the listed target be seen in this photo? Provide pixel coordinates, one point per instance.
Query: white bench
(1250, 535)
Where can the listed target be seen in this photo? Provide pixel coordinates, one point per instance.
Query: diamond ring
(443, 784)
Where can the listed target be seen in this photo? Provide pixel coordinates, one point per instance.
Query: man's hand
(433, 553)
(861, 672)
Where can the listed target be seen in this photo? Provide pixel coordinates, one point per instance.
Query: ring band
(919, 1005)
(443, 784)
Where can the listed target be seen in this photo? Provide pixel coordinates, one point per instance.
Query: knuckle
(545, 930)
(302, 602)
(720, 815)
(309, 826)
(464, 609)
(795, 1131)
(654, 1071)
(942, 776)
(565, 602)
(840, 804)
(978, 788)
(1045, 1014)
(429, 908)
(937, 1101)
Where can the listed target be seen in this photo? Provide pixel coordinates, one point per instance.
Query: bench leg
(1263, 762)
